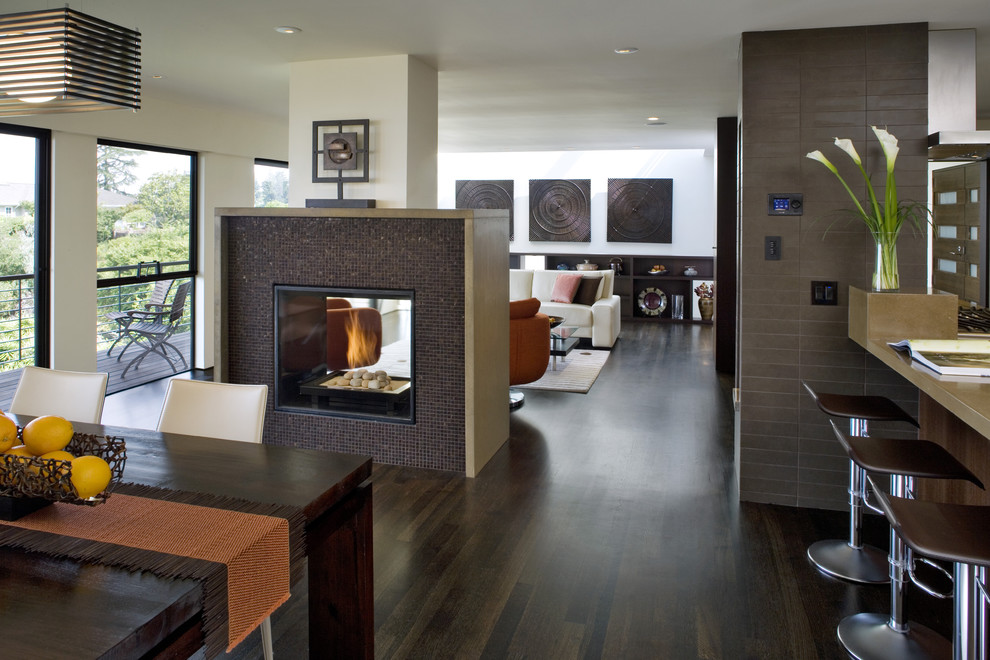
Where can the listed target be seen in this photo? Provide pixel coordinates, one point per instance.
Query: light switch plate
(771, 248)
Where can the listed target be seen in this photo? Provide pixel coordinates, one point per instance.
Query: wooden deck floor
(151, 368)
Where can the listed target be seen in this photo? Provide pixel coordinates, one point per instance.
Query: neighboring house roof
(109, 198)
(12, 194)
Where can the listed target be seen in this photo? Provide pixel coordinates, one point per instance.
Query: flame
(361, 342)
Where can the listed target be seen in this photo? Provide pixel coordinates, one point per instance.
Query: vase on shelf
(885, 275)
(706, 307)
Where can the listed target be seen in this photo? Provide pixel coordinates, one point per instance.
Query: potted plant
(884, 218)
(706, 300)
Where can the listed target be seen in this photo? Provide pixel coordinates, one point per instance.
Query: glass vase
(885, 277)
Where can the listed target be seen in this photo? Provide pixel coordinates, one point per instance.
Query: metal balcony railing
(16, 321)
(17, 312)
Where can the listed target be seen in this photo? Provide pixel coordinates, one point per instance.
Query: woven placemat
(242, 558)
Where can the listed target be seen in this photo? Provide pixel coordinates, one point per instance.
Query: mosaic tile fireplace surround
(456, 262)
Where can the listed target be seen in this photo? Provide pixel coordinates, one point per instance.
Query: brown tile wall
(801, 89)
(425, 255)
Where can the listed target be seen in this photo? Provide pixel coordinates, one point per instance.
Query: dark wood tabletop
(60, 608)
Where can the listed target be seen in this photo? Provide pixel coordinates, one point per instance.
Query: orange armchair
(529, 345)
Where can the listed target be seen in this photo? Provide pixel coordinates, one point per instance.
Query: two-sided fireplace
(344, 352)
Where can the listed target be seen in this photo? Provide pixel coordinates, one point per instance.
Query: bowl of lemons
(48, 460)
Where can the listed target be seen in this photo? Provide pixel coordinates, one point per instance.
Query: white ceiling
(515, 75)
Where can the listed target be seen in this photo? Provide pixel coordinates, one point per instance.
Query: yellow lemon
(19, 450)
(47, 433)
(8, 433)
(59, 456)
(90, 476)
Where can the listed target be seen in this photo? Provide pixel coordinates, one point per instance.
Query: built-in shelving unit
(635, 278)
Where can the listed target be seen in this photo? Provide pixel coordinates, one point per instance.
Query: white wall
(225, 181)
(165, 123)
(399, 95)
(693, 175)
(73, 301)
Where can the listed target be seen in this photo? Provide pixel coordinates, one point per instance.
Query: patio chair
(218, 410)
(75, 395)
(123, 319)
(153, 336)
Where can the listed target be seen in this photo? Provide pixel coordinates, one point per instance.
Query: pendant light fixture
(61, 60)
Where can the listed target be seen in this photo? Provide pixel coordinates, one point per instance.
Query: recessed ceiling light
(652, 119)
(627, 51)
(288, 29)
(158, 76)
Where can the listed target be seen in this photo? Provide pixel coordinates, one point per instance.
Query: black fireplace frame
(377, 400)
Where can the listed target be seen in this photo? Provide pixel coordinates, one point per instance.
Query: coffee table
(561, 343)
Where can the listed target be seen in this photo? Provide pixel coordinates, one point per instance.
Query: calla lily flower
(889, 145)
(820, 157)
(847, 145)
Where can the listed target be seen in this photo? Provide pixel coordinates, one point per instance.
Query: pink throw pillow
(564, 287)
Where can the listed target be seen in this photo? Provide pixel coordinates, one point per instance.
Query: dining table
(58, 607)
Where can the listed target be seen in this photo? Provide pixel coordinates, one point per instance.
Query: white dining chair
(227, 411)
(75, 395)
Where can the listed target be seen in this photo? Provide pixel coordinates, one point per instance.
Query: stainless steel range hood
(952, 98)
(962, 146)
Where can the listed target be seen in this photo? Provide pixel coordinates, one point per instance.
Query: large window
(24, 253)
(146, 249)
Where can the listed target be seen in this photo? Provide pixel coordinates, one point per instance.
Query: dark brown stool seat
(870, 636)
(956, 533)
(873, 408)
(851, 559)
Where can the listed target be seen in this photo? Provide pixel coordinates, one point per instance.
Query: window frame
(42, 236)
(192, 271)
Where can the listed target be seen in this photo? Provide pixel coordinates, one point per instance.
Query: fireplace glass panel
(344, 352)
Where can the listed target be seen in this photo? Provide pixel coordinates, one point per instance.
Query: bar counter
(953, 411)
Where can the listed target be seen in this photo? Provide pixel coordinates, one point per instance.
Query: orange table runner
(253, 548)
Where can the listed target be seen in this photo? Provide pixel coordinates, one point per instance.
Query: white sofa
(599, 321)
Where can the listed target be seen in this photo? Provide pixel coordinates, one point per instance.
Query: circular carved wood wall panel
(639, 210)
(560, 210)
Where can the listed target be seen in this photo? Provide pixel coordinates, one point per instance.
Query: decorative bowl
(50, 479)
(586, 266)
(555, 321)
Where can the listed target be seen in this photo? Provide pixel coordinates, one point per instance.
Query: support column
(398, 94)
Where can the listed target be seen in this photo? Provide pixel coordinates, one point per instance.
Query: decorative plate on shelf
(652, 301)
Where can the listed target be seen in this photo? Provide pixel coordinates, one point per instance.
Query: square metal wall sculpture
(337, 150)
(482, 194)
(639, 211)
(560, 210)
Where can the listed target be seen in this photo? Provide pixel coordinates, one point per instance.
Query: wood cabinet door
(959, 246)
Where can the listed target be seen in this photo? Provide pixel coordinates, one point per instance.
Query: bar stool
(955, 533)
(852, 560)
(870, 636)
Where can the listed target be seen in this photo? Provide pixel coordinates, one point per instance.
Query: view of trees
(17, 241)
(271, 186)
(153, 226)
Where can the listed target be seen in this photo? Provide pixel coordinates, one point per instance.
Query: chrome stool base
(865, 565)
(868, 637)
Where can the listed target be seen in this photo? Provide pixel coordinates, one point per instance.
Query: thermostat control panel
(785, 204)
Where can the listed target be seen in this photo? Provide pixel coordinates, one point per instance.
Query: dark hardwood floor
(607, 527)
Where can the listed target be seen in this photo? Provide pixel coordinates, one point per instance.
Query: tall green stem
(885, 276)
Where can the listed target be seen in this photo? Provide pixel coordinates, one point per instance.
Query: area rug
(575, 373)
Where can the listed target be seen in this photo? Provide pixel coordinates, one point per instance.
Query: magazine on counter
(956, 357)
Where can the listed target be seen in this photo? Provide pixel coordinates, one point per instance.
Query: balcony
(17, 349)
